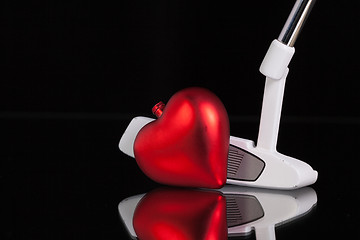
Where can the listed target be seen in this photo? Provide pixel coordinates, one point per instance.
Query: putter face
(243, 166)
(247, 209)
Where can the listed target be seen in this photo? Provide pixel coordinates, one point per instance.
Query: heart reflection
(181, 214)
(171, 213)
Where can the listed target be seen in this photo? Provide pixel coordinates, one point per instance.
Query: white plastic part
(127, 140)
(276, 60)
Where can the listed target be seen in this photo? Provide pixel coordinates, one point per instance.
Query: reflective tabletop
(63, 176)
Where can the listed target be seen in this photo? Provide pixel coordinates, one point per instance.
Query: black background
(124, 56)
(74, 74)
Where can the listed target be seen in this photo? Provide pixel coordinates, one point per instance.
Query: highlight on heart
(188, 144)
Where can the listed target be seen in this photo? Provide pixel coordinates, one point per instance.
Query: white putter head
(127, 140)
(261, 165)
(247, 210)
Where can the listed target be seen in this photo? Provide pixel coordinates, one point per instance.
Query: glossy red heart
(181, 214)
(188, 144)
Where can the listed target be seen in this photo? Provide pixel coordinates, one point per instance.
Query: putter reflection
(261, 210)
(209, 214)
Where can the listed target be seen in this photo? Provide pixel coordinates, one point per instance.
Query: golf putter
(248, 210)
(261, 165)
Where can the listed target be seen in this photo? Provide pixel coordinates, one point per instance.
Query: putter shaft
(295, 22)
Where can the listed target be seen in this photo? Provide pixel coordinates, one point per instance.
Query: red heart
(181, 214)
(188, 145)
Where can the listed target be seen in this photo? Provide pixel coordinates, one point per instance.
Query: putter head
(247, 209)
(247, 165)
(257, 167)
(127, 140)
